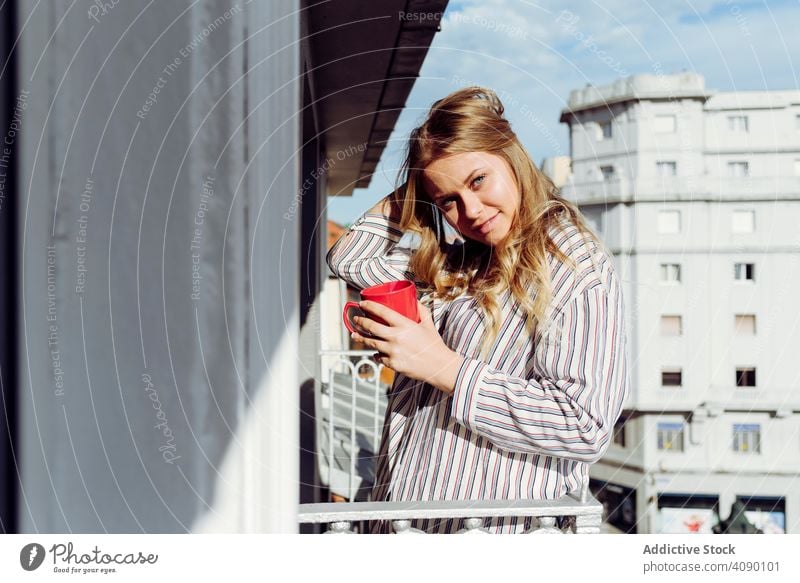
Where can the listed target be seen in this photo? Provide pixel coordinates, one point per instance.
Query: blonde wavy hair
(471, 120)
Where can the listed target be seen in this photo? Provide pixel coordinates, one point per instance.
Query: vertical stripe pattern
(525, 423)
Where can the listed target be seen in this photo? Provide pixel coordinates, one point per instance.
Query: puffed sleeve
(569, 407)
(368, 254)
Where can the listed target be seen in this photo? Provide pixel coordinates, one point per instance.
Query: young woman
(510, 385)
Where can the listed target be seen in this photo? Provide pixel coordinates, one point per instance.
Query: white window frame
(666, 168)
(738, 169)
(671, 370)
(738, 123)
(668, 269)
(742, 329)
(739, 370)
(602, 135)
(740, 269)
(669, 432)
(746, 438)
(665, 328)
(607, 172)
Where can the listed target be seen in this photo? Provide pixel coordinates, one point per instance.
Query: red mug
(401, 296)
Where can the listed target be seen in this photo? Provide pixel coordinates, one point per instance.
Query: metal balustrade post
(547, 525)
(343, 527)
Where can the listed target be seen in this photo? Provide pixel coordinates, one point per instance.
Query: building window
(618, 436)
(743, 221)
(671, 272)
(664, 124)
(797, 121)
(667, 168)
(747, 437)
(607, 172)
(738, 169)
(737, 123)
(744, 271)
(745, 324)
(671, 377)
(604, 130)
(669, 222)
(745, 376)
(670, 436)
(671, 326)
(797, 167)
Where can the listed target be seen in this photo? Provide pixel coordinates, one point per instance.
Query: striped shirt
(526, 422)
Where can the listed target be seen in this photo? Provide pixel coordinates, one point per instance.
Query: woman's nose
(472, 206)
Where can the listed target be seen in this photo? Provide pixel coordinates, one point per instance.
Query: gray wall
(153, 396)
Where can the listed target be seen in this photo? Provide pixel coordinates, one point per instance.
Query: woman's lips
(488, 225)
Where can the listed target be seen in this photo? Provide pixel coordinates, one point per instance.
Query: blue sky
(533, 53)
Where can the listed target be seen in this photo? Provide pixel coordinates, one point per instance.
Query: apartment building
(697, 195)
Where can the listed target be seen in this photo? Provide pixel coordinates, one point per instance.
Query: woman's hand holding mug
(413, 348)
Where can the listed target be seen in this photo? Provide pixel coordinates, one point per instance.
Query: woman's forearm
(367, 255)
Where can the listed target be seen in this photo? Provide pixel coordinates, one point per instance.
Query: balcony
(351, 405)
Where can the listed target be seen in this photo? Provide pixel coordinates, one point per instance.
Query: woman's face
(476, 193)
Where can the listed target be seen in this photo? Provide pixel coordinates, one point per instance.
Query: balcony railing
(350, 411)
(583, 512)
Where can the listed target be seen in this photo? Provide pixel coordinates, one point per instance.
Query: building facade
(697, 195)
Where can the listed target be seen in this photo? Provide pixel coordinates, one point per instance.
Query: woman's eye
(477, 178)
(446, 202)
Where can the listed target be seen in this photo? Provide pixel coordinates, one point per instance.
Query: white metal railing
(350, 410)
(583, 511)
